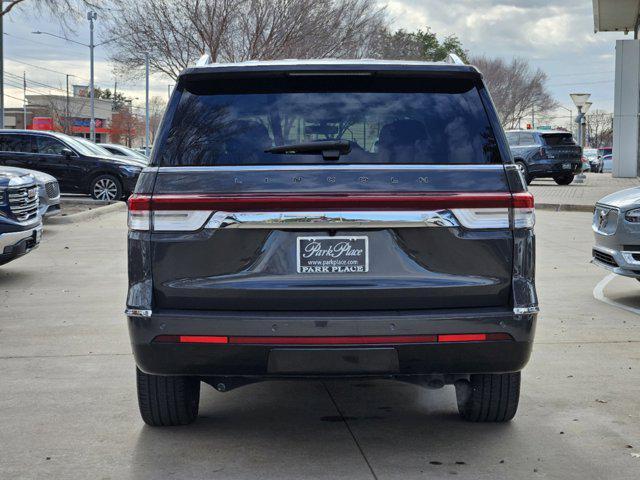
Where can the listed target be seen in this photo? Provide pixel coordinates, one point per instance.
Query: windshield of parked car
(78, 146)
(396, 121)
(94, 148)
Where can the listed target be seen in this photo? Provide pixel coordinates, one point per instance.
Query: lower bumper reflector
(359, 340)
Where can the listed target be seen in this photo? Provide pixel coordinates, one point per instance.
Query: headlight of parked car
(130, 169)
(633, 216)
(3, 196)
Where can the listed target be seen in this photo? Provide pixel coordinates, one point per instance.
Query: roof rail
(454, 59)
(203, 60)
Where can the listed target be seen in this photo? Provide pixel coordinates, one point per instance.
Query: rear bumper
(338, 360)
(552, 168)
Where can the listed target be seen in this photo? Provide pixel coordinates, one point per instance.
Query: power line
(44, 68)
(579, 83)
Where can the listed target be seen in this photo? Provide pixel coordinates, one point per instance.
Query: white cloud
(555, 36)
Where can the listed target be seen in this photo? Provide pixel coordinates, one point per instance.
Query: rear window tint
(385, 121)
(557, 139)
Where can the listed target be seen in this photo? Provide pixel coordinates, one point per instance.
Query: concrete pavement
(578, 196)
(68, 408)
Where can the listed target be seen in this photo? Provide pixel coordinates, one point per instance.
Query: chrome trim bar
(326, 167)
(526, 310)
(137, 312)
(333, 220)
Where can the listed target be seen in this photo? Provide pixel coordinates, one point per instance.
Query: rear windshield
(558, 139)
(399, 121)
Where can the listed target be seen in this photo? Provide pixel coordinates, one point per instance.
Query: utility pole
(67, 120)
(91, 16)
(533, 117)
(24, 99)
(146, 122)
(1, 68)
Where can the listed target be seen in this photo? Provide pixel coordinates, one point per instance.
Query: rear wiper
(330, 149)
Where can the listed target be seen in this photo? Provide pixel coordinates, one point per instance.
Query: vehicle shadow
(321, 430)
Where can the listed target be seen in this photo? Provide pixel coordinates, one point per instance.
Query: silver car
(616, 223)
(48, 190)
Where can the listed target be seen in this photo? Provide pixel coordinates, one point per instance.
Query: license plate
(566, 166)
(332, 254)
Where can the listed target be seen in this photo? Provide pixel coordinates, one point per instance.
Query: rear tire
(564, 180)
(167, 401)
(489, 397)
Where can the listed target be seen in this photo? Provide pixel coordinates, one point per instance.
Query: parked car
(94, 147)
(20, 222)
(595, 162)
(607, 164)
(602, 151)
(546, 153)
(616, 226)
(48, 190)
(122, 151)
(78, 168)
(294, 250)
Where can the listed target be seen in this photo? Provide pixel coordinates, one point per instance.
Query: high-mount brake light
(482, 210)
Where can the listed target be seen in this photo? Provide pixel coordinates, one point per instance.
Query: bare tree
(600, 128)
(177, 32)
(64, 10)
(516, 88)
(157, 106)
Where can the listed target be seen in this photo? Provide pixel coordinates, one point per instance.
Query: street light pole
(91, 16)
(146, 121)
(1, 68)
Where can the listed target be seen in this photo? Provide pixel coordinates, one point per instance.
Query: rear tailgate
(417, 254)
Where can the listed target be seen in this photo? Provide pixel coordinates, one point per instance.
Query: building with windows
(624, 16)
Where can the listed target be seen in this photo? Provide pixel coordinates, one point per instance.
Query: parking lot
(67, 392)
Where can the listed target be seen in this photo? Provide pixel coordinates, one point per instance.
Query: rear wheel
(489, 397)
(106, 187)
(564, 179)
(167, 401)
(525, 172)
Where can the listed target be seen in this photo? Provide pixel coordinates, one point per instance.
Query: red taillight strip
(348, 340)
(344, 201)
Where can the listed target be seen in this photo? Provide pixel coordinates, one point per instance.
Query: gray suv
(616, 226)
(314, 219)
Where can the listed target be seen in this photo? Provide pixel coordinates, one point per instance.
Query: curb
(564, 207)
(87, 215)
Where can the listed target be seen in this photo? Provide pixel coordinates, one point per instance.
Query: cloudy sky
(555, 35)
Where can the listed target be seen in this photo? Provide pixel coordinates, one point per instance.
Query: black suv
(77, 168)
(546, 153)
(330, 219)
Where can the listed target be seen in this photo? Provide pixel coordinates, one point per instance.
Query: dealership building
(70, 114)
(624, 16)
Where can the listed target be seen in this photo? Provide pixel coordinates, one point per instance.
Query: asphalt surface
(68, 408)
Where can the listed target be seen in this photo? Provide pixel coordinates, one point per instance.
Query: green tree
(418, 45)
